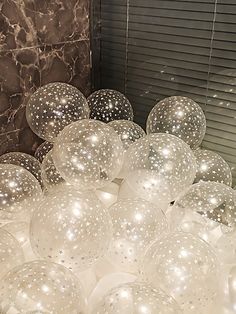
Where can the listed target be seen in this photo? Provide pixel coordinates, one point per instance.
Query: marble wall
(41, 41)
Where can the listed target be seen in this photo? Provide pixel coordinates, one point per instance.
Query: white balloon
(106, 283)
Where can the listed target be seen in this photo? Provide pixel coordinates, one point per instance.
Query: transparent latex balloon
(226, 248)
(54, 106)
(24, 160)
(185, 267)
(136, 223)
(232, 287)
(107, 105)
(212, 167)
(50, 175)
(159, 162)
(77, 226)
(108, 194)
(11, 253)
(41, 287)
(212, 200)
(106, 283)
(20, 192)
(88, 154)
(136, 298)
(20, 230)
(128, 131)
(191, 222)
(42, 151)
(179, 116)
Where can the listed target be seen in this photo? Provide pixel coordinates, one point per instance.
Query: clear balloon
(88, 154)
(11, 253)
(136, 298)
(232, 288)
(20, 192)
(50, 175)
(20, 230)
(136, 223)
(107, 105)
(77, 228)
(226, 248)
(24, 160)
(179, 116)
(128, 131)
(213, 200)
(158, 163)
(54, 106)
(192, 222)
(212, 167)
(41, 287)
(185, 267)
(42, 151)
(105, 284)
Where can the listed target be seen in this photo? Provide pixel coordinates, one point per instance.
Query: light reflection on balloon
(19, 192)
(88, 154)
(136, 298)
(212, 200)
(106, 283)
(108, 194)
(165, 160)
(128, 131)
(212, 167)
(41, 286)
(179, 116)
(186, 268)
(136, 223)
(77, 226)
(107, 105)
(54, 106)
(23, 160)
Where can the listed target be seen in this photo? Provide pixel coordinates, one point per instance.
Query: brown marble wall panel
(41, 41)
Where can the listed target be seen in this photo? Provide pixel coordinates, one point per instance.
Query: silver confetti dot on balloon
(107, 105)
(20, 192)
(179, 116)
(213, 200)
(42, 151)
(159, 166)
(185, 267)
(136, 223)
(54, 106)
(212, 167)
(138, 298)
(77, 226)
(41, 287)
(88, 154)
(128, 131)
(24, 160)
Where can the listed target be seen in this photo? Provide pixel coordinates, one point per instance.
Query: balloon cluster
(107, 219)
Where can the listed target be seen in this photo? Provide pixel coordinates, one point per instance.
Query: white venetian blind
(158, 48)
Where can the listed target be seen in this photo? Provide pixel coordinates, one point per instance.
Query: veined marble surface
(41, 41)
